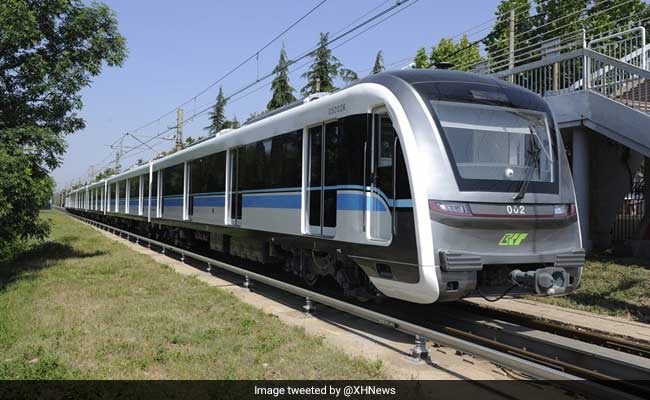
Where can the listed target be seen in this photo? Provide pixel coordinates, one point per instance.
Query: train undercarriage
(307, 264)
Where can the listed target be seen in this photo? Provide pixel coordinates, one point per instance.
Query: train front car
(501, 201)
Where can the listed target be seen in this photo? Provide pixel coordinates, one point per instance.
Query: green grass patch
(611, 286)
(81, 306)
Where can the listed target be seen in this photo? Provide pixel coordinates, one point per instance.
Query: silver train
(421, 185)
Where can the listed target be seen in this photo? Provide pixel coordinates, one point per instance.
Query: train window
(208, 174)
(122, 189)
(154, 186)
(402, 188)
(285, 162)
(385, 135)
(145, 189)
(134, 189)
(273, 163)
(353, 131)
(173, 180)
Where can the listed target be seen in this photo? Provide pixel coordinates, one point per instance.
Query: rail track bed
(590, 363)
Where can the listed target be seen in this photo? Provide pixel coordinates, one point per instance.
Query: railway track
(625, 345)
(588, 363)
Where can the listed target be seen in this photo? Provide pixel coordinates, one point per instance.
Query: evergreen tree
(282, 90)
(496, 42)
(324, 69)
(421, 59)
(379, 63)
(347, 75)
(234, 123)
(253, 115)
(218, 114)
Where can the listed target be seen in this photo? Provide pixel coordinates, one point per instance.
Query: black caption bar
(270, 390)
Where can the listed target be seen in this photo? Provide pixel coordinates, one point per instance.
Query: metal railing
(563, 73)
(630, 217)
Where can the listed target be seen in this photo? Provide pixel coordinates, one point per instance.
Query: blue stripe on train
(344, 201)
(173, 202)
(291, 201)
(210, 201)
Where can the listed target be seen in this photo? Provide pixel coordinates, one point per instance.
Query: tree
(468, 54)
(253, 115)
(282, 90)
(496, 42)
(49, 51)
(234, 123)
(556, 18)
(218, 114)
(379, 63)
(444, 51)
(421, 59)
(613, 15)
(324, 69)
(461, 55)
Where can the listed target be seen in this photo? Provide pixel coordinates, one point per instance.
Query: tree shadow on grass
(626, 261)
(40, 257)
(638, 312)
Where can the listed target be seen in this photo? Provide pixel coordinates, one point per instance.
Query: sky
(177, 49)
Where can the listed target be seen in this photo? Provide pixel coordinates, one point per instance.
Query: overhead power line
(306, 54)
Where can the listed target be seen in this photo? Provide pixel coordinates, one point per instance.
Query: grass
(80, 306)
(611, 286)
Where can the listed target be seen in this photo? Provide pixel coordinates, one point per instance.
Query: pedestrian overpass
(600, 94)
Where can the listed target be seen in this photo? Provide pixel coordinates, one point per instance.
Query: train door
(378, 208)
(321, 187)
(235, 192)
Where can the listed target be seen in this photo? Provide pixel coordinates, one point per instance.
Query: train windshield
(496, 143)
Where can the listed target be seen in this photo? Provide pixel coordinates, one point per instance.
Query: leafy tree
(379, 63)
(444, 51)
(49, 51)
(421, 59)
(556, 18)
(218, 114)
(105, 174)
(468, 54)
(613, 15)
(496, 42)
(282, 90)
(323, 70)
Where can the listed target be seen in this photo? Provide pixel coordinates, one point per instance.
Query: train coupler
(546, 281)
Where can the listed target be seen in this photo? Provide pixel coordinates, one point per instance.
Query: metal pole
(511, 41)
(179, 129)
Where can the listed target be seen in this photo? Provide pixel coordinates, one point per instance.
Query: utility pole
(511, 41)
(118, 154)
(179, 129)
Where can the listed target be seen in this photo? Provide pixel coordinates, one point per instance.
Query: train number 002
(516, 210)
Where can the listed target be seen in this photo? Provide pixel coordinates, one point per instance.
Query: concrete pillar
(581, 181)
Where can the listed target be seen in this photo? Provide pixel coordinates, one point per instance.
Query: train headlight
(564, 210)
(450, 208)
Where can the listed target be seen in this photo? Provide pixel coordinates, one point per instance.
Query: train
(420, 185)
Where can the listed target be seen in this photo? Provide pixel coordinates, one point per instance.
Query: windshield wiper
(530, 165)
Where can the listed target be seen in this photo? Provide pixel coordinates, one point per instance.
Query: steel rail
(558, 328)
(533, 369)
